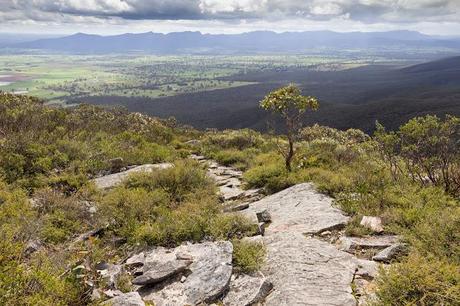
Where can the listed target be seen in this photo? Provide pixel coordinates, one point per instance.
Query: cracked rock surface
(208, 277)
(304, 270)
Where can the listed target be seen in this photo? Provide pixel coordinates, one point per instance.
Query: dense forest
(410, 177)
(350, 98)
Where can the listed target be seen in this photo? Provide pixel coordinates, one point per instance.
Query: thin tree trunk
(290, 155)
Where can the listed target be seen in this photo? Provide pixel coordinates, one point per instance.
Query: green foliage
(291, 105)
(167, 207)
(288, 100)
(239, 139)
(419, 281)
(230, 157)
(317, 132)
(265, 168)
(186, 179)
(428, 147)
(248, 257)
(59, 147)
(36, 281)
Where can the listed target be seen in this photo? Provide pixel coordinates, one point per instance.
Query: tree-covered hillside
(57, 227)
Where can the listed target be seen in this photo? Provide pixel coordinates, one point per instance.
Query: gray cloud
(367, 11)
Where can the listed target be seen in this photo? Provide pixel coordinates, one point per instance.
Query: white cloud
(444, 15)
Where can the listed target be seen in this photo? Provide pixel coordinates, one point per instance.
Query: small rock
(247, 290)
(96, 295)
(136, 260)
(256, 239)
(264, 216)
(184, 256)
(372, 223)
(111, 274)
(32, 247)
(102, 266)
(162, 271)
(351, 244)
(260, 229)
(194, 142)
(325, 234)
(126, 299)
(183, 279)
(390, 253)
(112, 292)
(236, 207)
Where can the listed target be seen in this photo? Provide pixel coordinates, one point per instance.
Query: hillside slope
(351, 98)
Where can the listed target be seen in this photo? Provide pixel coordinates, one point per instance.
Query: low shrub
(186, 179)
(419, 280)
(248, 257)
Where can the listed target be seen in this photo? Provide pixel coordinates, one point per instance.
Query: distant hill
(252, 42)
(352, 98)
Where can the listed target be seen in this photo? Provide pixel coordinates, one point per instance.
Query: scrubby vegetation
(387, 175)
(48, 157)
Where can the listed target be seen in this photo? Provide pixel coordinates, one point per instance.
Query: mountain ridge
(248, 42)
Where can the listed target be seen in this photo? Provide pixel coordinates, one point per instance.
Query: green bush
(239, 139)
(230, 157)
(248, 257)
(266, 167)
(186, 179)
(419, 281)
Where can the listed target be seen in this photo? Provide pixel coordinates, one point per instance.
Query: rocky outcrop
(112, 180)
(206, 279)
(304, 270)
(247, 290)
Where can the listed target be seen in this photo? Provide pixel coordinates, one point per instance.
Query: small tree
(291, 105)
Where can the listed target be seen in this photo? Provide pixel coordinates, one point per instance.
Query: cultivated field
(59, 78)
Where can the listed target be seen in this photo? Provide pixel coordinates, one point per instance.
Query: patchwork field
(60, 78)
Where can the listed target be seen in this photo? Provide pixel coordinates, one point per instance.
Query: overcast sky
(441, 17)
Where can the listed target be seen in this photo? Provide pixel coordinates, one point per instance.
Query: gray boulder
(264, 216)
(110, 274)
(351, 244)
(126, 299)
(390, 253)
(112, 180)
(372, 223)
(247, 290)
(136, 260)
(208, 277)
(161, 271)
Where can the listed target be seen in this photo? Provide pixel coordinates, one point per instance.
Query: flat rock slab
(209, 276)
(247, 290)
(161, 271)
(299, 209)
(350, 244)
(112, 180)
(304, 270)
(127, 299)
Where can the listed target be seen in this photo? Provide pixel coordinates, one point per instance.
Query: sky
(435, 17)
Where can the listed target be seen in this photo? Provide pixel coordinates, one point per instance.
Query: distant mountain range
(252, 42)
